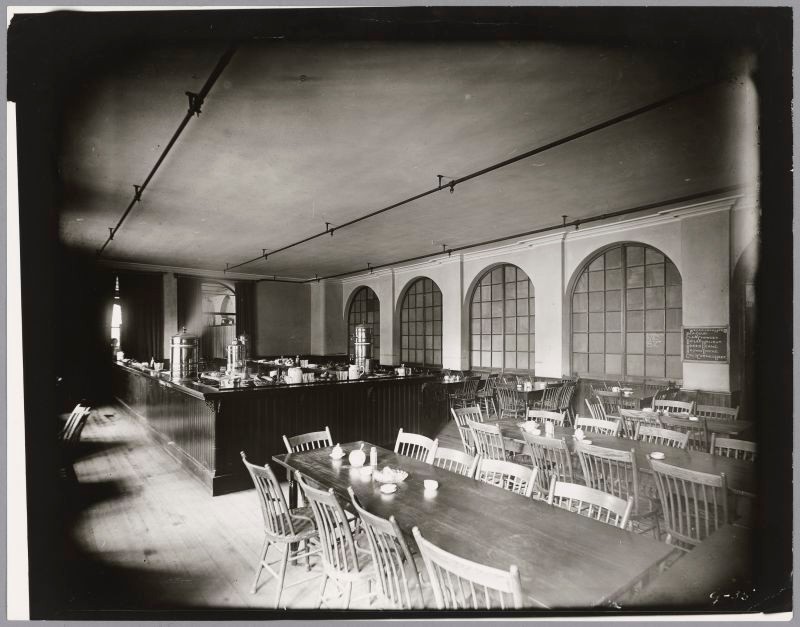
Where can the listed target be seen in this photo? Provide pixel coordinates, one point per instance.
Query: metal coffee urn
(237, 358)
(362, 338)
(183, 356)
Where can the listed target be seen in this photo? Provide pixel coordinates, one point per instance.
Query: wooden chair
(462, 416)
(395, 571)
(729, 447)
(591, 503)
(630, 419)
(343, 561)
(459, 583)
(485, 394)
(70, 434)
(617, 473)
(609, 401)
(454, 461)
(695, 504)
(308, 441)
(696, 431)
(488, 439)
(595, 407)
(552, 457)
(466, 395)
(284, 528)
(673, 407)
(414, 445)
(550, 396)
(511, 405)
(717, 413)
(564, 404)
(541, 416)
(598, 425)
(507, 475)
(659, 435)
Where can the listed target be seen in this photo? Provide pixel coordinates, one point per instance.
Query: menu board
(708, 344)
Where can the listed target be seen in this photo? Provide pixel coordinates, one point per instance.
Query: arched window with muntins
(365, 308)
(502, 320)
(421, 324)
(627, 315)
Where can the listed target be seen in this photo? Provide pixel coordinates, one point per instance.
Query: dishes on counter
(390, 475)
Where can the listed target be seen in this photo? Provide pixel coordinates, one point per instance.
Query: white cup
(431, 484)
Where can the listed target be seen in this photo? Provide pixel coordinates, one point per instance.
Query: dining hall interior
(402, 312)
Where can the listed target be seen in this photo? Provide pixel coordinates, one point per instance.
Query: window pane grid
(421, 324)
(626, 315)
(502, 320)
(365, 309)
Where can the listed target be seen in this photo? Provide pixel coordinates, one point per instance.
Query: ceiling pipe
(525, 155)
(195, 103)
(554, 227)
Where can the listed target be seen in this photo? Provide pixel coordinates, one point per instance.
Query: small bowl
(656, 455)
(389, 488)
(431, 484)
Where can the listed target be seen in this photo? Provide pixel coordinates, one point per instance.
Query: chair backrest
(609, 401)
(595, 407)
(507, 475)
(550, 396)
(696, 431)
(274, 510)
(454, 461)
(462, 415)
(567, 392)
(335, 537)
(414, 445)
(610, 470)
(470, 386)
(552, 457)
(542, 416)
(718, 413)
(490, 383)
(695, 504)
(394, 566)
(507, 396)
(674, 407)
(308, 441)
(488, 440)
(729, 447)
(459, 583)
(659, 435)
(591, 503)
(598, 425)
(71, 433)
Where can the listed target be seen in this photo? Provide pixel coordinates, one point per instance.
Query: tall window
(116, 317)
(626, 315)
(421, 324)
(502, 320)
(365, 308)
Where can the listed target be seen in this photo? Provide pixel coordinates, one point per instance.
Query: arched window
(502, 320)
(626, 315)
(219, 314)
(365, 308)
(421, 324)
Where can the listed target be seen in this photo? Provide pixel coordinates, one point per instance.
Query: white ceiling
(296, 134)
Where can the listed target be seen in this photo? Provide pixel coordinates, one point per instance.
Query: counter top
(210, 392)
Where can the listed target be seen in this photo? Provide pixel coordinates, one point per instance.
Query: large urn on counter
(237, 357)
(183, 356)
(362, 340)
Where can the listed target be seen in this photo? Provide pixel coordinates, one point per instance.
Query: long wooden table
(565, 560)
(715, 425)
(740, 474)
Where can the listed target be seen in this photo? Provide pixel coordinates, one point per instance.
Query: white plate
(389, 488)
(693, 418)
(657, 455)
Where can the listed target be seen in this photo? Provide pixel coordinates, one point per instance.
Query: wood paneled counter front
(205, 428)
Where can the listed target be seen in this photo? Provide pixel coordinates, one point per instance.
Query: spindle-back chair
(462, 415)
(591, 503)
(507, 475)
(414, 445)
(717, 413)
(730, 447)
(553, 459)
(542, 416)
(659, 435)
(454, 461)
(598, 425)
(488, 440)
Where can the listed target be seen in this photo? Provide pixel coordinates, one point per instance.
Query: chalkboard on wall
(706, 344)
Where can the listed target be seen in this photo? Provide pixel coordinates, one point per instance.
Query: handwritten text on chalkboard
(705, 344)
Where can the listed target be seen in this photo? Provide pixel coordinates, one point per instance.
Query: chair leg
(260, 567)
(322, 589)
(347, 594)
(281, 577)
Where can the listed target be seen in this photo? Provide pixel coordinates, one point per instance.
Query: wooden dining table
(740, 474)
(715, 425)
(565, 560)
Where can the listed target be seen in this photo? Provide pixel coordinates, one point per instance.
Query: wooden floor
(147, 536)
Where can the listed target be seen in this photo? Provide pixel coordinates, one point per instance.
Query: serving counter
(205, 428)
